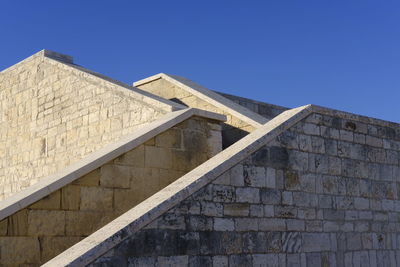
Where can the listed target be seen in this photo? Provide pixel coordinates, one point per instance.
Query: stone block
(270, 196)
(221, 261)
(246, 224)
(18, 223)
(315, 242)
(236, 173)
(173, 261)
(96, 198)
(134, 157)
(125, 199)
(254, 176)
(158, 157)
(223, 193)
(50, 202)
(303, 199)
(247, 195)
(211, 209)
(3, 227)
(305, 143)
(298, 161)
(267, 260)
(202, 223)
(115, 176)
(19, 251)
(70, 197)
(52, 246)
(90, 179)
(235, 209)
(295, 225)
(171, 138)
(46, 222)
(256, 210)
(84, 223)
(271, 178)
(271, 224)
(195, 141)
(222, 224)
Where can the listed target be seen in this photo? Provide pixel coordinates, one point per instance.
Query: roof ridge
(211, 97)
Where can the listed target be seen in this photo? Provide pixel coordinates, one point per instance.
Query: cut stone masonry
(140, 179)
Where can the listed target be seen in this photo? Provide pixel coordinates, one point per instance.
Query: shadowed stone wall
(234, 128)
(41, 231)
(324, 193)
(51, 116)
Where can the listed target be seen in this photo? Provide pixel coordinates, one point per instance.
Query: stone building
(94, 172)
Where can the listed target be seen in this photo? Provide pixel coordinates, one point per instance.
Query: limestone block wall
(52, 115)
(266, 110)
(324, 193)
(44, 229)
(232, 130)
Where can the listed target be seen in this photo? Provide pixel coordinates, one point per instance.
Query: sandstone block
(90, 179)
(96, 198)
(46, 222)
(52, 246)
(134, 157)
(18, 223)
(70, 197)
(158, 157)
(171, 138)
(84, 223)
(19, 250)
(115, 176)
(50, 202)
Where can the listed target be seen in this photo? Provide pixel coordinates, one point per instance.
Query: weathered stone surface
(51, 202)
(12, 249)
(115, 176)
(96, 198)
(44, 222)
(52, 246)
(70, 197)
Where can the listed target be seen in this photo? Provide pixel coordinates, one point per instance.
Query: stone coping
(133, 220)
(66, 62)
(96, 159)
(211, 97)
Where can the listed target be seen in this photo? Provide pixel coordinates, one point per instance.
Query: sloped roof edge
(211, 97)
(133, 220)
(54, 182)
(66, 61)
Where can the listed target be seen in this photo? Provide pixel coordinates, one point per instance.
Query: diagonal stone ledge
(127, 224)
(56, 181)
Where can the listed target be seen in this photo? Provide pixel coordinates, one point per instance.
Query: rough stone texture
(52, 115)
(266, 110)
(54, 223)
(324, 209)
(232, 130)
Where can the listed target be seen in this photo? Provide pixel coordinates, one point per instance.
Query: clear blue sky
(339, 54)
